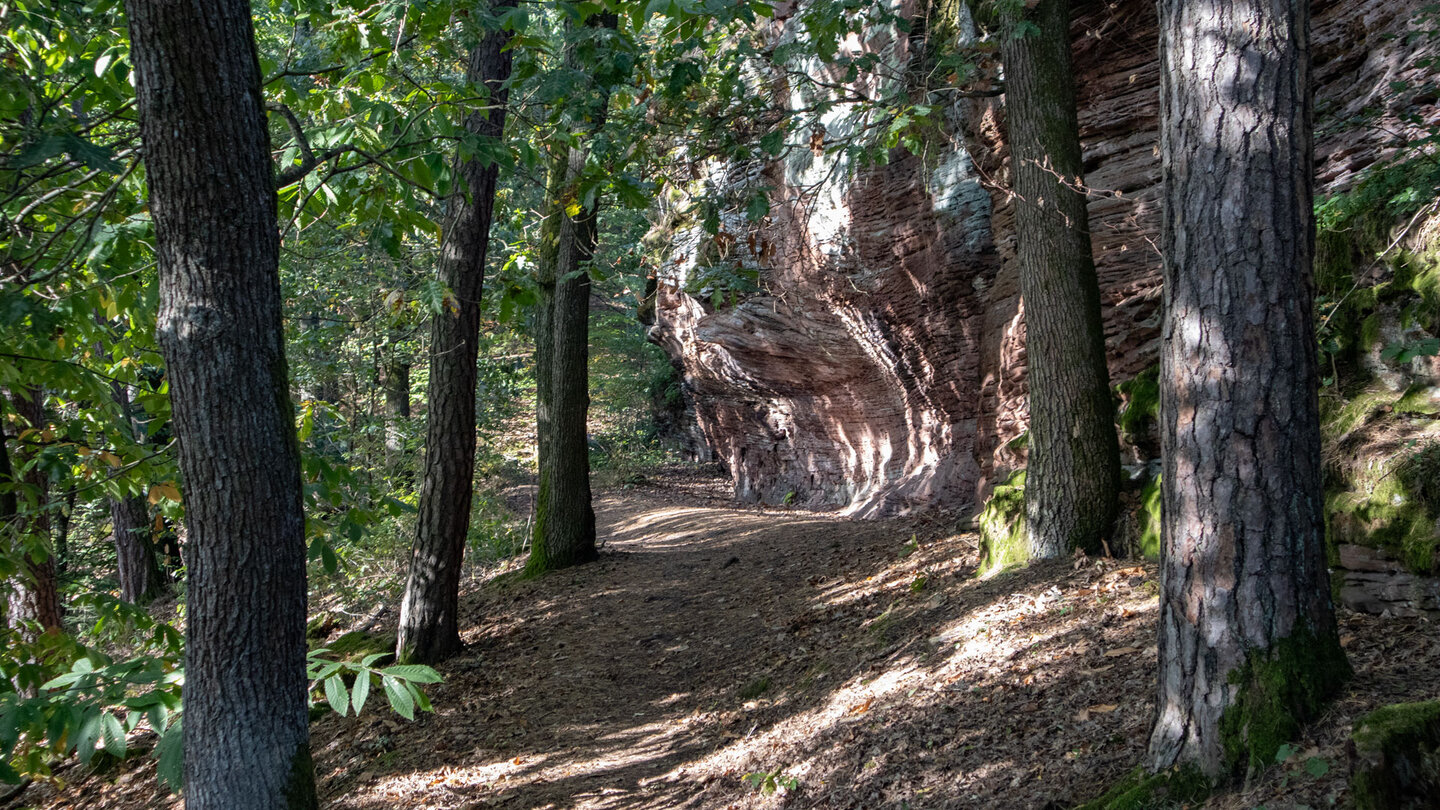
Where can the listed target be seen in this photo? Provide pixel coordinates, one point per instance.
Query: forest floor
(861, 664)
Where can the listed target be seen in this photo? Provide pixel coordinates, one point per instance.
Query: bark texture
(429, 614)
(564, 532)
(1073, 476)
(137, 565)
(141, 579)
(212, 197)
(33, 599)
(881, 366)
(1247, 643)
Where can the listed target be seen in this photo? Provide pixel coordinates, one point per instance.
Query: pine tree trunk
(1073, 475)
(34, 595)
(1247, 642)
(212, 197)
(564, 533)
(429, 614)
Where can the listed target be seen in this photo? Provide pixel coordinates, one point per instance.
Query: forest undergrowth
(727, 657)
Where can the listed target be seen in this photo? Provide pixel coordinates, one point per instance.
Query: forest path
(864, 659)
(711, 641)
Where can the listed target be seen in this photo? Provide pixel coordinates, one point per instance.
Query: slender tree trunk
(34, 596)
(1073, 476)
(396, 382)
(429, 615)
(63, 520)
(141, 579)
(564, 533)
(212, 197)
(1247, 643)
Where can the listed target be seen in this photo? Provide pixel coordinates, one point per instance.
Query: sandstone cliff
(876, 360)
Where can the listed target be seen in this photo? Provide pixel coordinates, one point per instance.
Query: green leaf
(1284, 752)
(88, 734)
(758, 207)
(413, 672)
(1317, 767)
(361, 691)
(113, 734)
(170, 757)
(400, 699)
(337, 695)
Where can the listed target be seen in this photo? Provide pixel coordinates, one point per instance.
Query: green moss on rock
(1277, 690)
(1140, 405)
(1398, 748)
(1140, 790)
(1391, 504)
(1003, 543)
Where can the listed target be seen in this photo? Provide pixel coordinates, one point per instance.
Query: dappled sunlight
(708, 643)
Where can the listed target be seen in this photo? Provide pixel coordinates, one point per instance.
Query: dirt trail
(861, 663)
(712, 641)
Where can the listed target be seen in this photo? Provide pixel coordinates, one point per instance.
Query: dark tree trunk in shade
(395, 380)
(212, 197)
(1073, 475)
(564, 532)
(1247, 640)
(141, 579)
(34, 595)
(429, 614)
(137, 566)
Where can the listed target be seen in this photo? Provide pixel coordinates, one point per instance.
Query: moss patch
(1003, 543)
(1392, 504)
(1399, 751)
(1146, 791)
(1139, 409)
(1276, 691)
(1148, 518)
(358, 643)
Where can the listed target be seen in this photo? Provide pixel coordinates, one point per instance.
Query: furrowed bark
(1247, 643)
(212, 198)
(429, 614)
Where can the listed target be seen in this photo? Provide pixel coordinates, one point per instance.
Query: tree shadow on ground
(861, 658)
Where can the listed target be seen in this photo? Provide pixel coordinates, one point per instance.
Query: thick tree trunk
(564, 533)
(212, 197)
(1073, 476)
(1248, 646)
(429, 615)
(34, 595)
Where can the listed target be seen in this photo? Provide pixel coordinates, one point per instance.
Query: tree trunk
(34, 596)
(1073, 476)
(137, 567)
(64, 518)
(396, 382)
(564, 533)
(141, 579)
(212, 197)
(1247, 643)
(429, 614)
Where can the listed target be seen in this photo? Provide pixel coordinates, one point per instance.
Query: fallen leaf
(1118, 651)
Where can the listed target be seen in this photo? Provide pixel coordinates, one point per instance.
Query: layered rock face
(878, 363)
